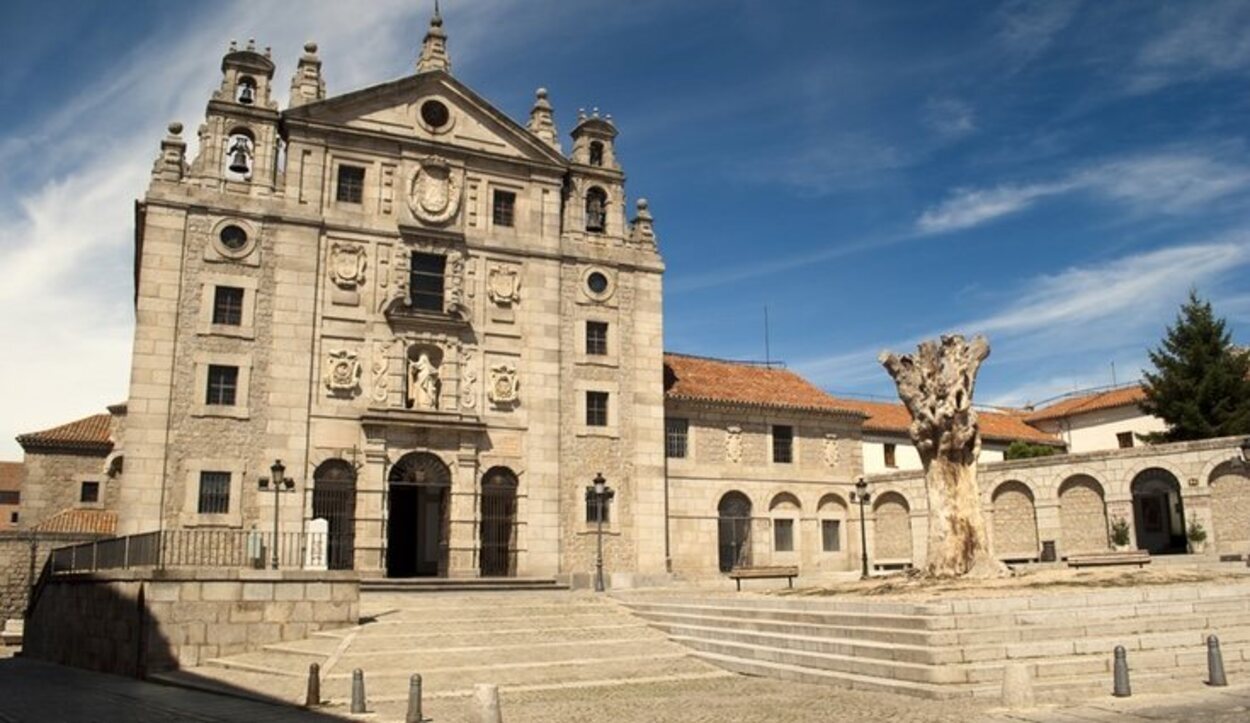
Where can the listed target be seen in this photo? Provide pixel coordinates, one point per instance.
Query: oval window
(435, 114)
(597, 283)
(233, 238)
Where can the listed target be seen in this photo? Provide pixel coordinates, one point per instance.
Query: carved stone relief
(379, 369)
(347, 271)
(831, 450)
(454, 301)
(434, 195)
(733, 445)
(503, 384)
(468, 380)
(342, 372)
(504, 285)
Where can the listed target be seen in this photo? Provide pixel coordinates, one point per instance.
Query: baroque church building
(443, 323)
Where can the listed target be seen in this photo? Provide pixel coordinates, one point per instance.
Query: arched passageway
(418, 523)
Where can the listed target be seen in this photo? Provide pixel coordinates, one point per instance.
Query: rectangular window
(592, 510)
(13, 517)
(596, 409)
(831, 535)
(783, 444)
(889, 455)
(90, 492)
(214, 493)
(504, 211)
(351, 187)
(783, 535)
(228, 305)
(597, 338)
(223, 385)
(425, 282)
(10, 497)
(1125, 439)
(676, 437)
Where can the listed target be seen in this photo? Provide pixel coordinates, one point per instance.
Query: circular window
(597, 283)
(435, 114)
(233, 238)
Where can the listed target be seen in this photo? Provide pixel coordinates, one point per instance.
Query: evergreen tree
(1201, 382)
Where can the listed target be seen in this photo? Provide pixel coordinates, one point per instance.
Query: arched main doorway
(734, 531)
(497, 533)
(1158, 512)
(418, 521)
(334, 500)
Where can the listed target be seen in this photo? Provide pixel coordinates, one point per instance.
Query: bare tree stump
(936, 386)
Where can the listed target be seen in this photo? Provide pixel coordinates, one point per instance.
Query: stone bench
(738, 574)
(1140, 558)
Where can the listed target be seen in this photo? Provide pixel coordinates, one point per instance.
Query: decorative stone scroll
(434, 194)
(453, 303)
(342, 372)
(733, 444)
(503, 384)
(379, 369)
(468, 380)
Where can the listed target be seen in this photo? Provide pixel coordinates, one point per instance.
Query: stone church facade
(442, 322)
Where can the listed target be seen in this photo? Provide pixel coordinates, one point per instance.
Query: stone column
(462, 536)
(371, 511)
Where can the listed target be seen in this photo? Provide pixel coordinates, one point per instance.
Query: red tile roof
(998, 426)
(11, 474)
(86, 434)
(716, 380)
(1083, 403)
(90, 522)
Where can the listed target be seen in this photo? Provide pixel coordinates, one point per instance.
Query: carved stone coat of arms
(342, 371)
(434, 195)
(504, 285)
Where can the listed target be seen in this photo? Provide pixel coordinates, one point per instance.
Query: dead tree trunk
(936, 386)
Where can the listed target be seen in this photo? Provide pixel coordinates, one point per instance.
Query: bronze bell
(238, 160)
(247, 96)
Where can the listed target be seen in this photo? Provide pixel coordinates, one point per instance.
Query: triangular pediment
(393, 108)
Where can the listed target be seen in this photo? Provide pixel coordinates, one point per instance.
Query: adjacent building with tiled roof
(702, 379)
(91, 434)
(1099, 419)
(69, 469)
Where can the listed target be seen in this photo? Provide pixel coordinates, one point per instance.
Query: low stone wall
(134, 622)
(17, 558)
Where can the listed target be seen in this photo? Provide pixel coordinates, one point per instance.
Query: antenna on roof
(768, 360)
(1113, 372)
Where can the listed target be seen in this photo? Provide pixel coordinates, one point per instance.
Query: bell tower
(595, 205)
(239, 138)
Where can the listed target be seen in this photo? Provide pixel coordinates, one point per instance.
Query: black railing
(196, 548)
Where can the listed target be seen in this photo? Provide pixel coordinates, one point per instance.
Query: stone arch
(596, 209)
(1230, 508)
(497, 531)
(418, 516)
(1082, 515)
(1013, 520)
(733, 530)
(785, 510)
(892, 531)
(781, 500)
(832, 514)
(1158, 511)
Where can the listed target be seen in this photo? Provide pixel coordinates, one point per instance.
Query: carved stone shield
(504, 285)
(434, 196)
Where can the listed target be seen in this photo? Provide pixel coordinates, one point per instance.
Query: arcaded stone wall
(893, 530)
(134, 622)
(1230, 509)
(1013, 527)
(1083, 516)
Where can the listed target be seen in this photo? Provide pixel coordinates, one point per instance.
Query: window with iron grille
(214, 493)
(425, 281)
(783, 444)
(597, 338)
(10, 497)
(676, 437)
(1124, 439)
(831, 535)
(504, 208)
(596, 409)
(592, 510)
(89, 493)
(228, 305)
(351, 187)
(783, 535)
(223, 385)
(889, 450)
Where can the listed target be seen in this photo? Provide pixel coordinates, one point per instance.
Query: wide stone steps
(468, 584)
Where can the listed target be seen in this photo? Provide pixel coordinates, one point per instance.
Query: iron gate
(734, 531)
(497, 537)
(334, 499)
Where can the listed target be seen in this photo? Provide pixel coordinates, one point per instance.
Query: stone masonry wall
(133, 622)
(15, 567)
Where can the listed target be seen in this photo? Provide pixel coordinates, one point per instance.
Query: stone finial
(251, 44)
(307, 85)
(641, 227)
(542, 120)
(171, 164)
(434, 48)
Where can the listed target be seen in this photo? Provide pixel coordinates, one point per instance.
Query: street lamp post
(861, 496)
(599, 491)
(277, 472)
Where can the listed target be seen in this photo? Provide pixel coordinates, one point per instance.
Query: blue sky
(1053, 174)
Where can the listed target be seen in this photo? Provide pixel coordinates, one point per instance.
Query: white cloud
(968, 207)
(1026, 29)
(951, 118)
(1195, 40)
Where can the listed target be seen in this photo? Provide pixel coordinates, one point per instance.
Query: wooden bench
(1140, 558)
(738, 574)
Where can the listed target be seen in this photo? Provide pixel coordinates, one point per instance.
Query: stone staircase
(959, 648)
(450, 584)
(521, 641)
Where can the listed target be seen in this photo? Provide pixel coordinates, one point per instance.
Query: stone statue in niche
(831, 450)
(424, 384)
(342, 372)
(503, 384)
(434, 194)
(733, 445)
(347, 271)
(380, 367)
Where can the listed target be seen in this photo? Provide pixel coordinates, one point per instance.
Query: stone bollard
(486, 704)
(1122, 688)
(358, 691)
(414, 701)
(1017, 686)
(1215, 663)
(313, 697)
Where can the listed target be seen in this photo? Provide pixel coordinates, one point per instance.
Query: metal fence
(197, 548)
